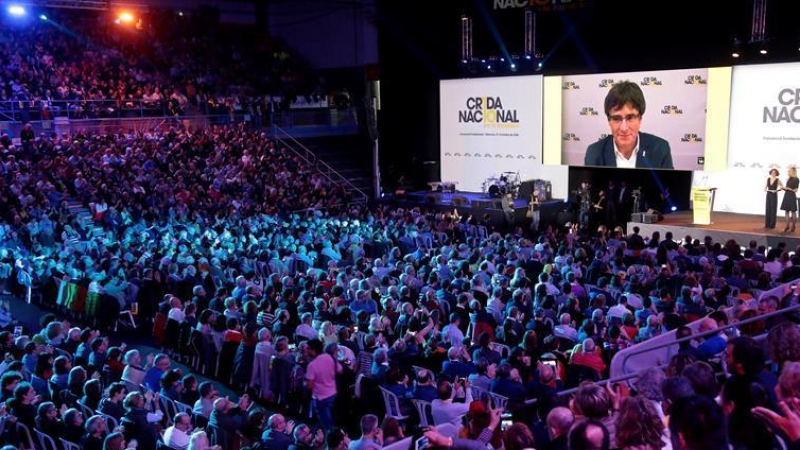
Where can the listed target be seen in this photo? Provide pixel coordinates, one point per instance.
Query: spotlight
(16, 10)
(43, 17)
(528, 57)
(674, 208)
(735, 54)
(540, 65)
(125, 17)
(502, 60)
(489, 67)
(763, 51)
(513, 66)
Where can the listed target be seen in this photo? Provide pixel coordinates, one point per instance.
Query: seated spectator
(112, 405)
(587, 355)
(508, 383)
(424, 388)
(208, 395)
(171, 385)
(698, 422)
(559, 421)
(177, 436)
(740, 395)
(23, 404)
(392, 431)
(73, 425)
(454, 367)
(444, 410)
(593, 403)
(589, 435)
(713, 344)
(47, 420)
(152, 379)
(95, 433)
(305, 329)
(639, 425)
(229, 416)
(371, 435)
(138, 421)
(92, 394)
(337, 439)
(278, 434)
(134, 373)
(190, 393)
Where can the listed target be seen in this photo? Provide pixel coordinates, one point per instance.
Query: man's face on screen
(625, 123)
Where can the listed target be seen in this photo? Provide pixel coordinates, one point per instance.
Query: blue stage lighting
(513, 66)
(674, 208)
(43, 17)
(528, 57)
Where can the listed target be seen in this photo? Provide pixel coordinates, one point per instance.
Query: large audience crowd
(149, 68)
(407, 326)
(249, 267)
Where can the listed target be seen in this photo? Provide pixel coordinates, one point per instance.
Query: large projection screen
(675, 111)
(490, 126)
(765, 117)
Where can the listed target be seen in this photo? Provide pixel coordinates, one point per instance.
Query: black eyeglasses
(630, 118)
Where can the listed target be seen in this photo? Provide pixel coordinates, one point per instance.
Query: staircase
(83, 215)
(351, 156)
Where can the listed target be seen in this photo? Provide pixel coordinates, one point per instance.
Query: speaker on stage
(459, 200)
(637, 217)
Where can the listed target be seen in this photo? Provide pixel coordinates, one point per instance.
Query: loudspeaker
(459, 200)
(650, 218)
(637, 217)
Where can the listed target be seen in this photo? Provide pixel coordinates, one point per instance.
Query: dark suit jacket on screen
(654, 153)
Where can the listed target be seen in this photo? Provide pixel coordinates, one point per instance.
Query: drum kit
(499, 185)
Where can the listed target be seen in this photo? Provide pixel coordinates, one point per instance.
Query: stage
(741, 227)
(479, 204)
(725, 226)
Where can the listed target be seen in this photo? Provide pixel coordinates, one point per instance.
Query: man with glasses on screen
(626, 146)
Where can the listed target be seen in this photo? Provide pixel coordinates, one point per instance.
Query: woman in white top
(133, 372)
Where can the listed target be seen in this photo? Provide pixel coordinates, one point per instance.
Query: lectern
(703, 204)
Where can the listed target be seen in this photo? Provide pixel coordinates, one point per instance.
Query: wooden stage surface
(741, 227)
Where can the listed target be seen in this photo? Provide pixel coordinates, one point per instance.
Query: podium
(703, 204)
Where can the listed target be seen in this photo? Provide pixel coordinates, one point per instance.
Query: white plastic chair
(69, 445)
(26, 440)
(423, 411)
(392, 405)
(503, 349)
(45, 441)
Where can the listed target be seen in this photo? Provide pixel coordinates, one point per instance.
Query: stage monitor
(672, 129)
(491, 129)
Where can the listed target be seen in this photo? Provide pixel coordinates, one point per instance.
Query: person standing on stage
(533, 210)
(774, 185)
(789, 203)
(508, 209)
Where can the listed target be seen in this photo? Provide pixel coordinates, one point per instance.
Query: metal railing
(357, 196)
(759, 318)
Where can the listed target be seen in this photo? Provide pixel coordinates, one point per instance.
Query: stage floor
(741, 227)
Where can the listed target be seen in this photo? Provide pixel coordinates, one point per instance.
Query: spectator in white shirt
(444, 410)
(177, 436)
(305, 329)
(176, 313)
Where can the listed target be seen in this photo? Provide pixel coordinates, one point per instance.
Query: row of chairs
(424, 408)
